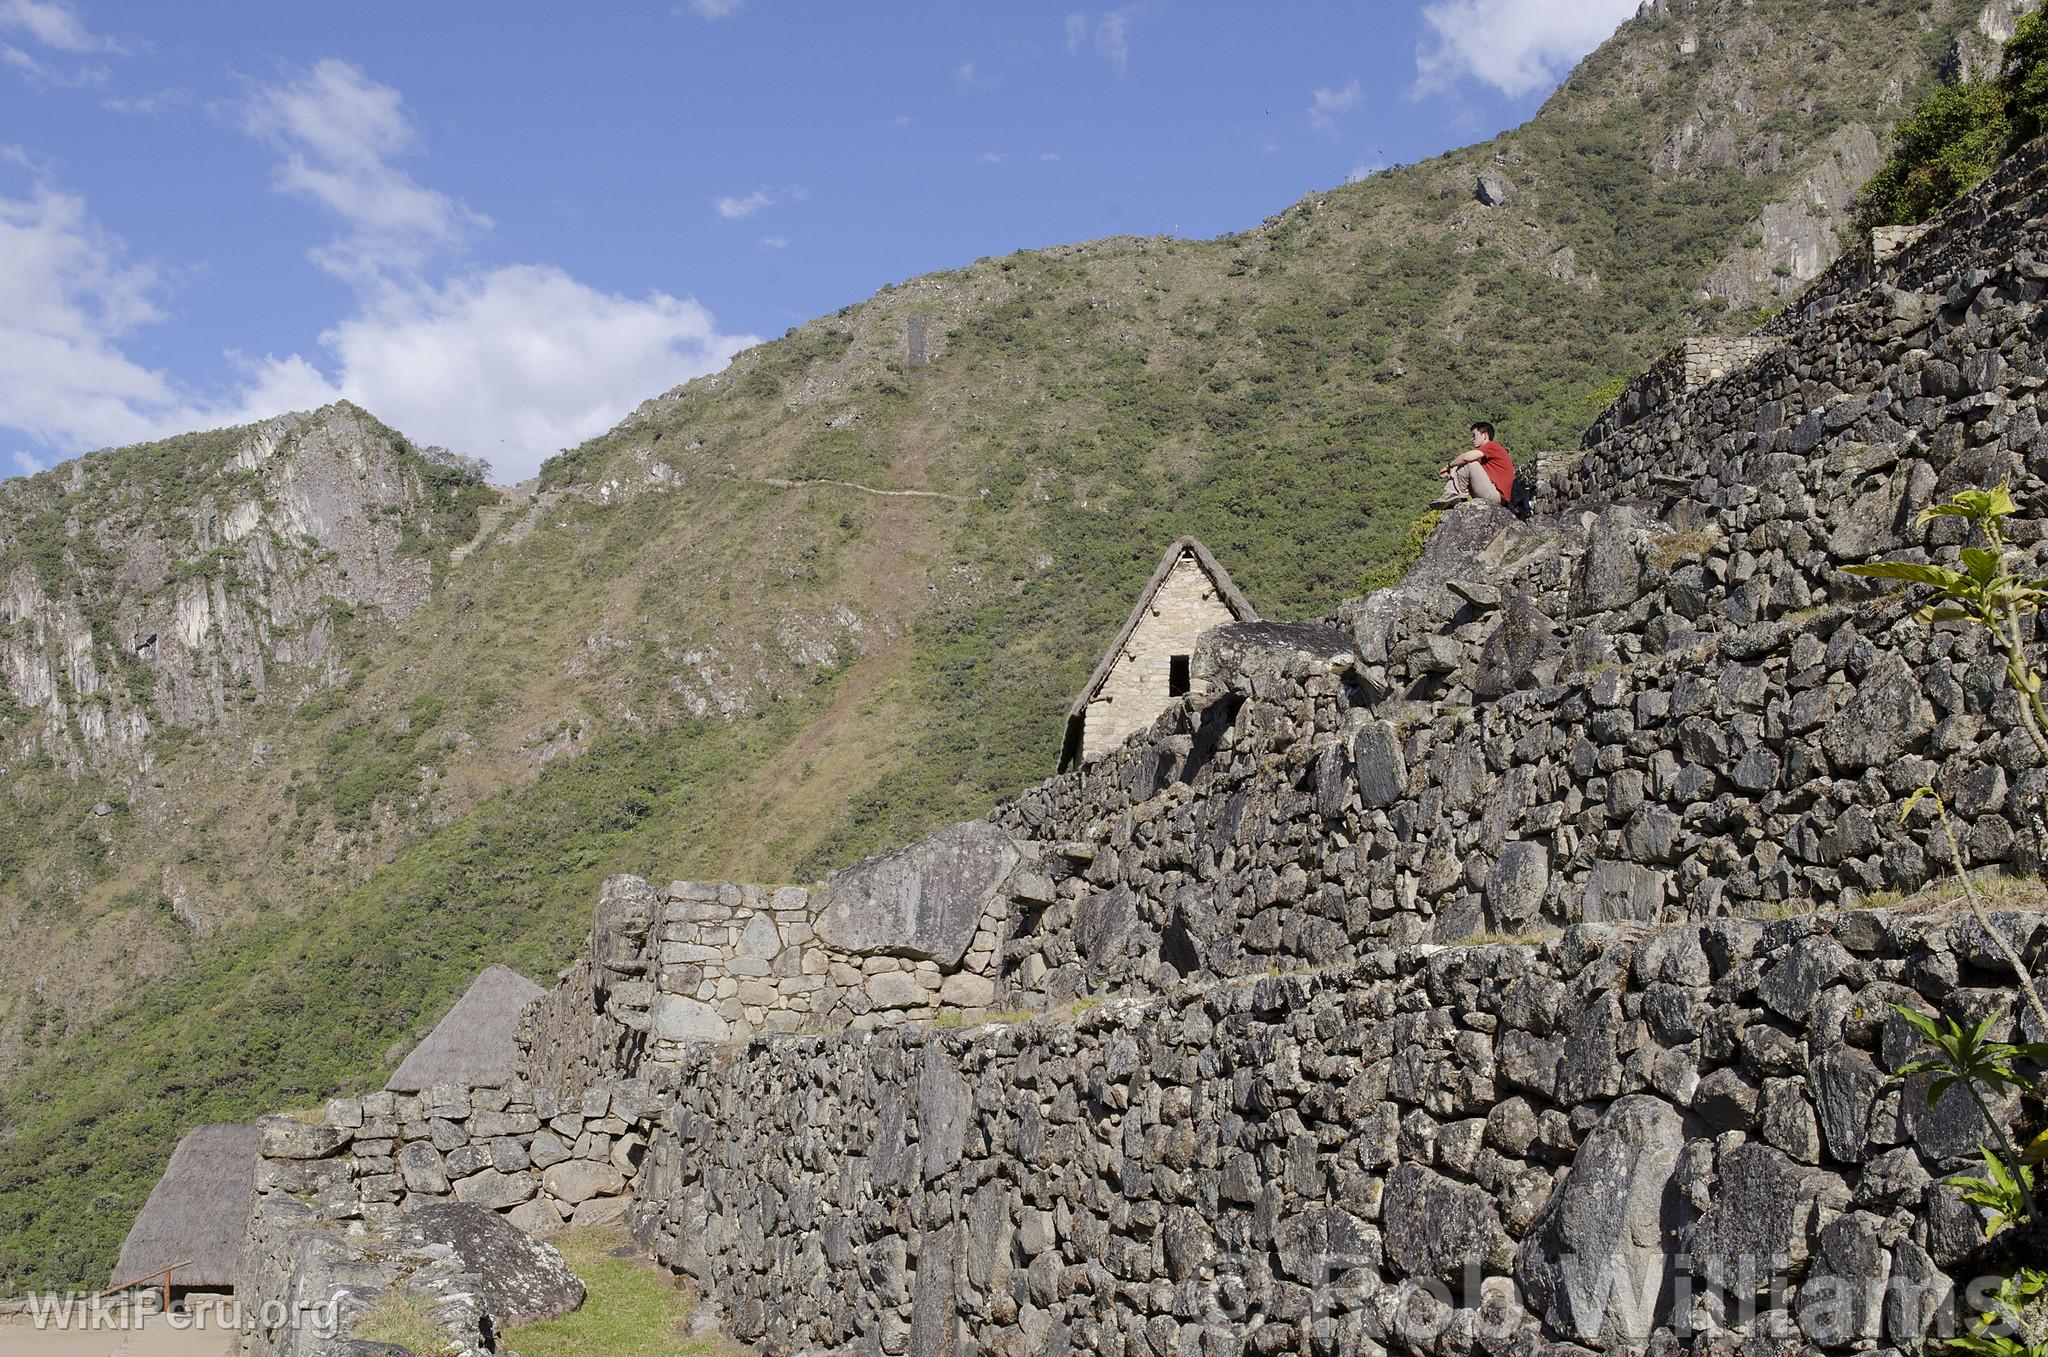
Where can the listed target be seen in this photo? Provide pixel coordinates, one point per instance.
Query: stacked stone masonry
(1137, 687)
(1661, 698)
(1285, 1083)
(1485, 1149)
(338, 1199)
(1692, 364)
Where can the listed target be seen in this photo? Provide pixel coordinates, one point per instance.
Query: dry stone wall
(521, 1151)
(1321, 1110)
(1688, 366)
(348, 1207)
(1660, 698)
(895, 938)
(1487, 1149)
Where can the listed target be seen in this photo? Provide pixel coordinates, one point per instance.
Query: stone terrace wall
(892, 939)
(338, 1214)
(1688, 366)
(1239, 1166)
(1967, 234)
(521, 1151)
(1660, 699)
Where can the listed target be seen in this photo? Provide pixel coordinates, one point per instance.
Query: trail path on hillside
(782, 483)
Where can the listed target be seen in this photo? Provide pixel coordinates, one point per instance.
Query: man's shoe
(1446, 500)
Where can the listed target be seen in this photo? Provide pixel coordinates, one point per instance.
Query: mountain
(815, 604)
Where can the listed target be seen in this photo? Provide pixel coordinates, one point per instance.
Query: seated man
(1484, 472)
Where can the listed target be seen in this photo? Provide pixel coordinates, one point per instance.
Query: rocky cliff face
(165, 584)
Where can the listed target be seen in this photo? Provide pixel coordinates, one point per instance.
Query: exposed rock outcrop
(122, 611)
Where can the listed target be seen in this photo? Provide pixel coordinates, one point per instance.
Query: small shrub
(1952, 143)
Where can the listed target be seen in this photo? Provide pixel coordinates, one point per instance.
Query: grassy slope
(1281, 393)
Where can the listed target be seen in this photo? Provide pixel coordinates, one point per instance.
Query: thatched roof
(477, 1044)
(198, 1210)
(1240, 607)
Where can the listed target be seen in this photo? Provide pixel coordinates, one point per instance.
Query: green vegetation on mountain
(679, 658)
(1959, 133)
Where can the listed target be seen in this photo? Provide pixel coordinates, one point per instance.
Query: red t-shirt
(1499, 468)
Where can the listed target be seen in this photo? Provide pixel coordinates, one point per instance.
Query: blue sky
(500, 226)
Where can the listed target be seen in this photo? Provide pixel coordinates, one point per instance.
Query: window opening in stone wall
(1177, 683)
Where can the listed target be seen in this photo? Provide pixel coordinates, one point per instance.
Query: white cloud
(57, 28)
(510, 363)
(147, 104)
(1517, 46)
(1326, 106)
(67, 299)
(1365, 169)
(338, 131)
(710, 9)
(1111, 34)
(737, 209)
(53, 24)
(994, 157)
(517, 363)
(1113, 37)
(774, 242)
(25, 465)
(42, 75)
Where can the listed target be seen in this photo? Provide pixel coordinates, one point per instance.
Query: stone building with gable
(1150, 665)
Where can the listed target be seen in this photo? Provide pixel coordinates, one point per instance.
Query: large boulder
(1382, 768)
(1516, 886)
(1598, 1264)
(1609, 573)
(1524, 639)
(944, 1103)
(578, 1180)
(1888, 716)
(520, 1279)
(1762, 1221)
(923, 901)
(1435, 1226)
(1622, 892)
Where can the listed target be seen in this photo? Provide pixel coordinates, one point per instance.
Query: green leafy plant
(2002, 1192)
(1968, 1058)
(2015, 1324)
(1958, 134)
(1952, 143)
(1983, 592)
(1986, 595)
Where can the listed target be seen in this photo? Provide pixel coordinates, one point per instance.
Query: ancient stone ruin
(1150, 664)
(1499, 965)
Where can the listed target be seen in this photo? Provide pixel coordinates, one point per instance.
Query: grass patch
(405, 1320)
(1534, 937)
(1691, 545)
(632, 1307)
(948, 1019)
(1999, 891)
